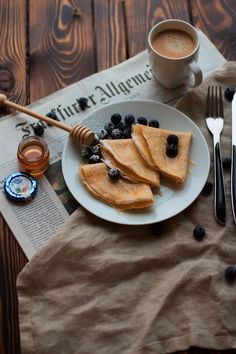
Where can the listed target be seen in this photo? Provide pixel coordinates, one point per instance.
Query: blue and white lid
(20, 187)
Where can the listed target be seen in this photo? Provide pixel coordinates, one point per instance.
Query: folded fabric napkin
(98, 287)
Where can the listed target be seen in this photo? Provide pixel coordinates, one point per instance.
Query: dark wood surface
(49, 44)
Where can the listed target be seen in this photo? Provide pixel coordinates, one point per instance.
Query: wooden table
(49, 44)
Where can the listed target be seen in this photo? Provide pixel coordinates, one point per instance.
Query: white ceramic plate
(174, 199)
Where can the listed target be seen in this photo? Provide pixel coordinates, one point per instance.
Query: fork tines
(214, 106)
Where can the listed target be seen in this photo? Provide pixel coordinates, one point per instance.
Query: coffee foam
(174, 43)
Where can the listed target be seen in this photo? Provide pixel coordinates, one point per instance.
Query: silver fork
(215, 123)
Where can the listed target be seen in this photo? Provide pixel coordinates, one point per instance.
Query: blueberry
(127, 133)
(121, 126)
(116, 134)
(109, 127)
(83, 103)
(142, 120)
(114, 173)
(157, 228)
(229, 93)
(207, 189)
(199, 232)
(227, 163)
(230, 274)
(86, 152)
(129, 119)
(154, 123)
(171, 150)
(116, 118)
(103, 134)
(96, 150)
(94, 159)
(172, 139)
(52, 115)
(38, 129)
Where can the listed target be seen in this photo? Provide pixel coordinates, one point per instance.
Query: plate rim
(133, 101)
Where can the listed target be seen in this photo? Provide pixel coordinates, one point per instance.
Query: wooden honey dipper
(80, 134)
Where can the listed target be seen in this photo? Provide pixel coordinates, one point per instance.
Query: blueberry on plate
(230, 274)
(116, 134)
(103, 134)
(172, 139)
(154, 123)
(142, 120)
(116, 118)
(229, 94)
(38, 129)
(199, 232)
(83, 103)
(114, 173)
(227, 163)
(171, 150)
(121, 126)
(129, 119)
(207, 189)
(86, 152)
(127, 133)
(94, 159)
(109, 127)
(96, 150)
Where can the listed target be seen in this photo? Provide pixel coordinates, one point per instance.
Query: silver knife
(233, 164)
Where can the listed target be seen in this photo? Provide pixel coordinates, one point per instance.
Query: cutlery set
(214, 117)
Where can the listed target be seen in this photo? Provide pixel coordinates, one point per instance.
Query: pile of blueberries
(117, 128)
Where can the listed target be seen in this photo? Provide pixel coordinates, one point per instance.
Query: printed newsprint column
(35, 222)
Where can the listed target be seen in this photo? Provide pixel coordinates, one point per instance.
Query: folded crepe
(124, 155)
(121, 194)
(151, 143)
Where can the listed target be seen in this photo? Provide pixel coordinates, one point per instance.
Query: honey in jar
(33, 156)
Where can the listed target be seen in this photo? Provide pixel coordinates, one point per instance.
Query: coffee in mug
(173, 47)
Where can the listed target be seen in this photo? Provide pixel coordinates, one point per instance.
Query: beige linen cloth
(99, 287)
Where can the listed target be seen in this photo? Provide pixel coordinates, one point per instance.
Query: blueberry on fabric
(83, 103)
(103, 134)
(229, 93)
(230, 274)
(129, 119)
(227, 163)
(96, 150)
(171, 150)
(116, 118)
(142, 120)
(199, 232)
(114, 173)
(94, 159)
(172, 139)
(207, 189)
(154, 123)
(86, 152)
(116, 134)
(157, 228)
(38, 129)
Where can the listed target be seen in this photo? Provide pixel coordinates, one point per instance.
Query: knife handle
(219, 203)
(233, 182)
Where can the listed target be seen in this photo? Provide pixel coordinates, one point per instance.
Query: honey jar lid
(20, 187)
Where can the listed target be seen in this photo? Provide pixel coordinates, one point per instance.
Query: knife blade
(233, 163)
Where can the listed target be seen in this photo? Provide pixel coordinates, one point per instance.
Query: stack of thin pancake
(142, 161)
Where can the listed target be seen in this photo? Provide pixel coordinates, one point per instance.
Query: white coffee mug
(173, 71)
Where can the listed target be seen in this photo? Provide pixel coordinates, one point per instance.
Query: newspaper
(33, 223)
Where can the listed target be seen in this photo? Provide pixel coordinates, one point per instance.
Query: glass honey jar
(33, 156)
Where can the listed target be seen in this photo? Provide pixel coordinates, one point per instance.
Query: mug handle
(197, 77)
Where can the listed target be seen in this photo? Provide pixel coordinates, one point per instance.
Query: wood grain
(13, 50)
(109, 29)
(217, 18)
(61, 44)
(141, 15)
